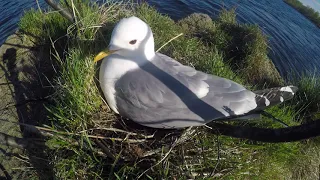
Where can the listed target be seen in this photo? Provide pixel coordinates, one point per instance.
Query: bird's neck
(148, 48)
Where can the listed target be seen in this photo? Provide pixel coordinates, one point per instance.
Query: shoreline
(306, 11)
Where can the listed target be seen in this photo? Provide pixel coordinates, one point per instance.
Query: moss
(197, 23)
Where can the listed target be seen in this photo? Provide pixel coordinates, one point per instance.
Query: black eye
(133, 42)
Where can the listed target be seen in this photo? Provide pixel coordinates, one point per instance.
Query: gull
(157, 91)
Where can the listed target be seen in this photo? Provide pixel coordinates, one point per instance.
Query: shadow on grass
(28, 70)
(5, 172)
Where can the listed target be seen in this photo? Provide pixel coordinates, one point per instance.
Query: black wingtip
(294, 88)
(273, 96)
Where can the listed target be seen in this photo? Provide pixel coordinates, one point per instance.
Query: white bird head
(130, 38)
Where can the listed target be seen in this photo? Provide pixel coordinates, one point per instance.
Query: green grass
(307, 11)
(221, 47)
(306, 101)
(308, 161)
(244, 47)
(40, 25)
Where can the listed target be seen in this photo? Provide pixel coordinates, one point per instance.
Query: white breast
(111, 69)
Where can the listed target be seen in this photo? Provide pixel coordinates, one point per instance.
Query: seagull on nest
(155, 90)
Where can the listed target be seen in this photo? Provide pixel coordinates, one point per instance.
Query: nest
(131, 141)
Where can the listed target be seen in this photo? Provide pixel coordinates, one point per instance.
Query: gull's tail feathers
(273, 96)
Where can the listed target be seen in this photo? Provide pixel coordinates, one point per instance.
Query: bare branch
(64, 12)
(288, 134)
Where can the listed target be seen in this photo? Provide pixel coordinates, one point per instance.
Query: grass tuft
(76, 94)
(228, 17)
(243, 48)
(42, 26)
(307, 99)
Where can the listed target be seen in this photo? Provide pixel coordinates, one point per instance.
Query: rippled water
(10, 13)
(293, 39)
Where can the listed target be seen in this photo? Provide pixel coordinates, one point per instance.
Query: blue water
(294, 41)
(10, 13)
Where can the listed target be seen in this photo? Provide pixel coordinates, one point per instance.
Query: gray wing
(167, 94)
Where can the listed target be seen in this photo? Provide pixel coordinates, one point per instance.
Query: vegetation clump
(90, 141)
(244, 47)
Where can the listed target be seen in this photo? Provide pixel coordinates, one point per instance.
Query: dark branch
(64, 12)
(288, 134)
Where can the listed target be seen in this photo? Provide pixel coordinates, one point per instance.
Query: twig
(119, 130)
(185, 135)
(169, 41)
(165, 156)
(266, 114)
(151, 152)
(74, 12)
(105, 149)
(22, 168)
(39, 6)
(27, 161)
(65, 13)
(218, 159)
(183, 138)
(34, 128)
(105, 102)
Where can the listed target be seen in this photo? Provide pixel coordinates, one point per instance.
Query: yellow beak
(103, 54)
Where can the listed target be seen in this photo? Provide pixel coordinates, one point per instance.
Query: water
(10, 13)
(294, 41)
